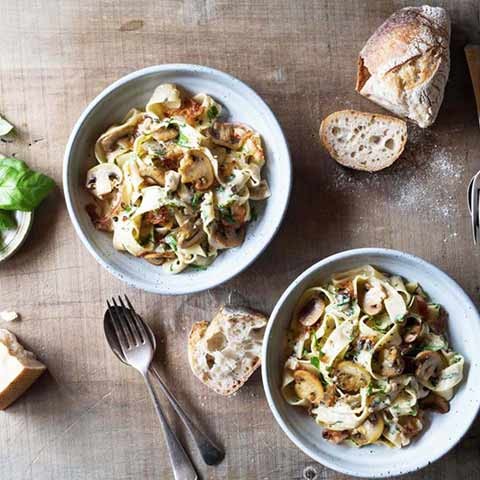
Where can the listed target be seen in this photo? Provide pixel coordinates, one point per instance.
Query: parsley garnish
(315, 361)
(227, 214)
(198, 267)
(197, 198)
(171, 241)
(212, 112)
(182, 140)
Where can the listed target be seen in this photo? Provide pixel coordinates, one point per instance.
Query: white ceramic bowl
(241, 104)
(443, 432)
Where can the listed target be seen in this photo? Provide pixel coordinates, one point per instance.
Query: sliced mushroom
(308, 386)
(157, 175)
(159, 217)
(372, 301)
(330, 396)
(103, 178)
(436, 318)
(335, 436)
(164, 134)
(390, 362)
(412, 329)
(190, 234)
(310, 309)
(428, 365)
(351, 377)
(369, 431)
(234, 216)
(226, 237)
(159, 258)
(230, 135)
(195, 167)
(434, 402)
(411, 426)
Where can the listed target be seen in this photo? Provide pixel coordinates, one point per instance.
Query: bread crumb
(8, 316)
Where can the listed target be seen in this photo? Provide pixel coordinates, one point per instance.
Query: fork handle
(182, 466)
(211, 454)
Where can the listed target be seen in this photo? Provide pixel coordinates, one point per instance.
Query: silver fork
(138, 351)
(210, 452)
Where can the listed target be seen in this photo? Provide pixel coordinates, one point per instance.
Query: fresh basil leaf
(7, 221)
(22, 188)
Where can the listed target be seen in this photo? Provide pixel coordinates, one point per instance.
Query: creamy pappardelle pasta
(368, 354)
(174, 183)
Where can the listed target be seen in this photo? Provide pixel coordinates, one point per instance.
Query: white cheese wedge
(18, 369)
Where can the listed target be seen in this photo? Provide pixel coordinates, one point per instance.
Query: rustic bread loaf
(225, 352)
(363, 141)
(404, 65)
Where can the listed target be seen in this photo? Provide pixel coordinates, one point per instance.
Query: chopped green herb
(171, 241)
(182, 140)
(227, 214)
(198, 267)
(197, 198)
(212, 112)
(315, 362)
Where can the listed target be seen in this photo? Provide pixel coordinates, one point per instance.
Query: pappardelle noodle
(368, 355)
(174, 184)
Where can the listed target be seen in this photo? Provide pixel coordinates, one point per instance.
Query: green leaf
(315, 362)
(7, 221)
(198, 267)
(22, 188)
(172, 242)
(197, 197)
(212, 112)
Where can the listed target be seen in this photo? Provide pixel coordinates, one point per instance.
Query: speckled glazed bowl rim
(353, 465)
(24, 225)
(243, 259)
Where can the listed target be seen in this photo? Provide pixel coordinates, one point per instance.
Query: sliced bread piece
(225, 352)
(18, 369)
(363, 141)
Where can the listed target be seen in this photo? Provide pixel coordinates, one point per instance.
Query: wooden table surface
(90, 417)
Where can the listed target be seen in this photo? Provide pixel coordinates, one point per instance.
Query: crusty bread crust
(223, 322)
(362, 122)
(404, 65)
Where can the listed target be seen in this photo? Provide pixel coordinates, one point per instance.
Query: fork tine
(137, 336)
(118, 331)
(138, 320)
(123, 325)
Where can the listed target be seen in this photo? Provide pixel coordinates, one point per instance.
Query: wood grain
(90, 417)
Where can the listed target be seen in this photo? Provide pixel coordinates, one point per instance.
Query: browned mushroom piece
(411, 426)
(235, 216)
(434, 402)
(190, 234)
(390, 362)
(158, 258)
(335, 436)
(226, 237)
(308, 386)
(311, 311)
(428, 365)
(195, 167)
(369, 431)
(412, 329)
(372, 301)
(436, 318)
(229, 135)
(166, 133)
(351, 377)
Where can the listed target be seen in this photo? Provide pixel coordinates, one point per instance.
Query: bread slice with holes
(224, 353)
(363, 141)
